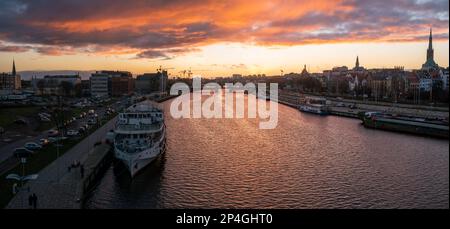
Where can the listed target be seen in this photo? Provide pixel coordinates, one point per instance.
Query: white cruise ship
(314, 105)
(139, 137)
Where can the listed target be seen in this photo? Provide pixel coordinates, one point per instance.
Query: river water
(308, 161)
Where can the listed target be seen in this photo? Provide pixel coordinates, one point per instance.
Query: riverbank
(341, 107)
(56, 187)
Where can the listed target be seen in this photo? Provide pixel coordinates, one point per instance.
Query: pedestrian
(35, 200)
(14, 188)
(30, 201)
(82, 171)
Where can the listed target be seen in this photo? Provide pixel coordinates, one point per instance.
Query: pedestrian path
(56, 187)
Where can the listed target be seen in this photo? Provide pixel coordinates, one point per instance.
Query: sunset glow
(218, 38)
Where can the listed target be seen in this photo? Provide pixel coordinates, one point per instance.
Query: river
(307, 161)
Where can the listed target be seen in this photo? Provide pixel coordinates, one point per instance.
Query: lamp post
(13, 176)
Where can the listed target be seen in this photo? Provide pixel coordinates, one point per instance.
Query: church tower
(430, 51)
(430, 64)
(357, 62)
(13, 69)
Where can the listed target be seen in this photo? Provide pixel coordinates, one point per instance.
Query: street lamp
(13, 176)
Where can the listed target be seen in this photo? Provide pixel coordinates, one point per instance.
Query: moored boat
(413, 125)
(139, 137)
(314, 105)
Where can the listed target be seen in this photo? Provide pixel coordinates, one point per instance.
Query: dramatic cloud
(159, 29)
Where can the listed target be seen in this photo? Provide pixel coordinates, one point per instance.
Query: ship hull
(312, 110)
(138, 161)
(425, 129)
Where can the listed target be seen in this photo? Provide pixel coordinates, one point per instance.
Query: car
(340, 105)
(20, 121)
(352, 106)
(44, 119)
(72, 133)
(52, 133)
(32, 146)
(43, 141)
(55, 139)
(43, 114)
(81, 129)
(22, 152)
(91, 121)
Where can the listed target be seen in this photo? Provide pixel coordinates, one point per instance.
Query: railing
(142, 127)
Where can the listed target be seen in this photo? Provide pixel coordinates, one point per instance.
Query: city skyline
(220, 39)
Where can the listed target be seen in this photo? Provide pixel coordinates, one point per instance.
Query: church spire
(430, 51)
(430, 40)
(13, 68)
(430, 64)
(357, 62)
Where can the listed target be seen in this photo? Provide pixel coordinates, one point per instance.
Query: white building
(100, 84)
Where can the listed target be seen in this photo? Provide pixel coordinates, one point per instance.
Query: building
(358, 68)
(430, 64)
(111, 83)
(122, 85)
(85, 87)
(100, 84)
(444, 76)
(56, 84)
(151, 82)
(10, 82)
(304, 72)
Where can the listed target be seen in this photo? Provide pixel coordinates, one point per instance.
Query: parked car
(81, 129)
(52, 133)
(32, 146)
(72, 133)
(55, 139)
(44, 119)
(340, 104)
(91, 111)
(21, 121)
(22, 152)
(43, 141)
(91, 121)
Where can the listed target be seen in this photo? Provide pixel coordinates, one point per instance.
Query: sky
(220, 38)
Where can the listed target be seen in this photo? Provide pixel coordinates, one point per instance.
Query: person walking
(35, 200)
(82, 171)
(30, 201)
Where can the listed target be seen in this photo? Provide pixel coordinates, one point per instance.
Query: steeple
(430, 51)
(304, 71)
(357, 62)
(430, 40)
(430, 64)
(13, 68)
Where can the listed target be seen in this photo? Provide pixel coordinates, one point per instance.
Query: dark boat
(413, 125)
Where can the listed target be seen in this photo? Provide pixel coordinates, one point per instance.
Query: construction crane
(190, 72)
(160, 69)
(281, 70)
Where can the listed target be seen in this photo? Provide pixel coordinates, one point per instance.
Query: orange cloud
(156, 28)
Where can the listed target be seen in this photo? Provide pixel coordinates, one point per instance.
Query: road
(7, 151)
(56, 187)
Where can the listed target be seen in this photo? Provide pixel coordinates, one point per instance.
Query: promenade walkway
(56, 187)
